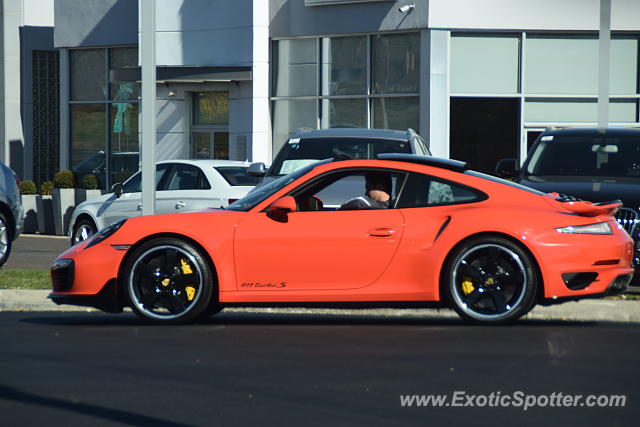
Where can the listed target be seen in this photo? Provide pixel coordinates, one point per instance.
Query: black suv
(590, 163)
(309, 146)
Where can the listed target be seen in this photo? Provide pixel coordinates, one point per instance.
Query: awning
(184, 74)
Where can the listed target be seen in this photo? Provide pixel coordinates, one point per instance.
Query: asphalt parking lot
(254, 369)
(36, 252)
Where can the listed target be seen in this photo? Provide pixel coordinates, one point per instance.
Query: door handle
(382, 232)
(180, 204)
(140, 207)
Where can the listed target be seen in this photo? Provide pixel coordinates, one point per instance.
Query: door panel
(317, 250)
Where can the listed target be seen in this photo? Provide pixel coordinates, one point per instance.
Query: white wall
(526, 15)
(38, 13)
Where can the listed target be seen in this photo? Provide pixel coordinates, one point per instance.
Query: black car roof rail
(450, 164)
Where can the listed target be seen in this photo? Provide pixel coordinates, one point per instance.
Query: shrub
(64, 179)
(90, 182)
(27, 187)
(46, 188)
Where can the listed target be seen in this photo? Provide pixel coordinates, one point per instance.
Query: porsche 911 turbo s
(446, 236)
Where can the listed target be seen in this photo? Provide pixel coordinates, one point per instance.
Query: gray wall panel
(291, 18)
(80, 23)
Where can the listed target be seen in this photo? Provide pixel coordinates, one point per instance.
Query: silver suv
(11, 212)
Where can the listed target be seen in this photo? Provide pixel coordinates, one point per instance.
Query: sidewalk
(627, 311)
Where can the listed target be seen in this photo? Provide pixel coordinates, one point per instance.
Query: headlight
(598, 228)
(104, 233)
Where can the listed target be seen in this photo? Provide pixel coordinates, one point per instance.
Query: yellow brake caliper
(186, 269)
(467, 285)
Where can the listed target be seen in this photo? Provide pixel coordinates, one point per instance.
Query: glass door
(210, 125)
(210, 144)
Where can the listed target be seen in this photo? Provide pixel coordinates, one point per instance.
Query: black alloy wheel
(168, 281)
(490, 280)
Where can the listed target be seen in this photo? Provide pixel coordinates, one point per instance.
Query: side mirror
(117, 189)
(257, 169)
(279, 210)
(507, 168)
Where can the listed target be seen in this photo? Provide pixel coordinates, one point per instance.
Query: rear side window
(423, 190)
(237, 175)
(187, 177)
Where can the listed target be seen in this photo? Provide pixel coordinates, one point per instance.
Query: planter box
(64, 200)
(30, 219)
(81, 195)
(44, 210)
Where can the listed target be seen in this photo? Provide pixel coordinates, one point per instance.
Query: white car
(181, 186)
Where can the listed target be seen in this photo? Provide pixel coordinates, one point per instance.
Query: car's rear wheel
(5, 239)
(82, 230)
(168, 281)
(490, 280)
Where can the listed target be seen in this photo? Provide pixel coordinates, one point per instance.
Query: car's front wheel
(5, 239)
(169, 281)
(82, 230)
(490, 280)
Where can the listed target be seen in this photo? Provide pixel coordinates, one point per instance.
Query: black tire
(490, 280)
(82, 230)
(169, 281)
(6, 237)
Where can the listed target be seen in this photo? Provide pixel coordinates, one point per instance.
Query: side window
(187, 177)
(134, 183)
(423, 190)
(336, 191)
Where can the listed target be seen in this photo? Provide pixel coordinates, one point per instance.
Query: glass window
(289, 116)
(484, 64)
(338, 190)
(88, 136)
(221, 145)
(578, 111)
(423, 190)
(396, 63)
(396, 113)
(125, 143)
(344, 65)
(211, 108)
(88, 75)
(134, 184)
(187, 177)
(344, 113)
(124, 57)
(295, 67)
(237, 175)
(575, 65)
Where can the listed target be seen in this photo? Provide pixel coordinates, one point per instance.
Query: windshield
(586, 156)
(298, 153)
(256, 197)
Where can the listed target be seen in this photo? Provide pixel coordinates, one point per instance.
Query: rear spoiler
(584, 208)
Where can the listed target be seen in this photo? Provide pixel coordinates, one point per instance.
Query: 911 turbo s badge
(263, 285)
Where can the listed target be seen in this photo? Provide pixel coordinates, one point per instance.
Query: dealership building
(478, 79)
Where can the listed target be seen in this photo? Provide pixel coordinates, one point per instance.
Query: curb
(627, 311)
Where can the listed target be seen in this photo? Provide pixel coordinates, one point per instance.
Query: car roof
(404, 135)
(207, 163)
(592, 130)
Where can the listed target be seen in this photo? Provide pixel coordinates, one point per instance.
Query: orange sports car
(430, 232)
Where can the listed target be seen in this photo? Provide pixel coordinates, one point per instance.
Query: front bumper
(105, 300)
(88, 277)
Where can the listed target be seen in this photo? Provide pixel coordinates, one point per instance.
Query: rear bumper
(617, 286)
